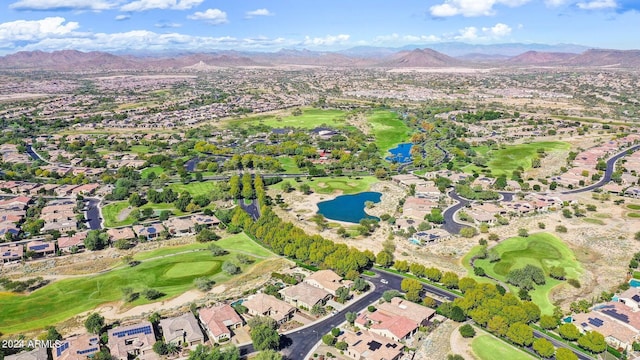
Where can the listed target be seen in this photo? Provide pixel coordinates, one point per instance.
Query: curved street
(453, 227)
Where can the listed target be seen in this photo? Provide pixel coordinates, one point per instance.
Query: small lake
(349, 208)
(401, 153)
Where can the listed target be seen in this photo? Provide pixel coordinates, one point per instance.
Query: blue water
(634, 283)
(401, 153)
(568, 319)
(349, 208)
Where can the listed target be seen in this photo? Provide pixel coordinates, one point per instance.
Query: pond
(348, 208)
(401, 153)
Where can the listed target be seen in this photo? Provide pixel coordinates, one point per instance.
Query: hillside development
(266, 199)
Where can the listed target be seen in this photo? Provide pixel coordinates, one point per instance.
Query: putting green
(192, 269)
(542, 250)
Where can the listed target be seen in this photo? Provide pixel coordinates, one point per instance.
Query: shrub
(467, 331)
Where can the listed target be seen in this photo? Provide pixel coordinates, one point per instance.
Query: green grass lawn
(328, 185)
(194, 188)
(171, 274)
(633, 215)
(388, 129)
(633, 206)
(288, 165)
(112, 211)
(310, 118)
(153, 169)
(487, 347)
(140, 149)
(505, 161)
(542, 250)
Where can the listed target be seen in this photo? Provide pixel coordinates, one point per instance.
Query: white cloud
(258, 12)
(405, 39)
(498, 30)
(30, 30)
(555, 3)
(471, 8)
(212, 16)
(469, 33)
(597, 5)
(326, 41)
(143, 5)
(40, 5)
(167, 25)
(122, 17)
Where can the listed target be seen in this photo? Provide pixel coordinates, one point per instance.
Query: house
(201, 219)
(150, 231)
(11, 253)
(267, 305)
(66, 243)
(408, 309)
(121, 234)
(179, 226)
(631, 298)
(219, 321)
(86, 189)
(305, 296)
(39, 353)
(78, 347)
(326, 280)
(19, 203)
(183, 329)
(388, 325)
(132, 341)
(616, 333)
(364, 345)
(8, 228)
(41, 248)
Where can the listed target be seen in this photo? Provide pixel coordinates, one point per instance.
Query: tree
(468, 232)
(216, 250)
(329, 339)
(341, 345)
(454, 357)
(544, 348)
(498, 325)
(523, 232)
(593, 341)
(52, 334)
(450, 280)
(568, 332)
(548, 322)
(390, 294)
(408, 285)
(203, 283)
(305, 189)
(467, 331)
(264, 335)
(384, 259)
(268, 355)
(122, 244)
(520, 334)
(565, 354)
(160, 348)
(94, 323)
(637, 236)
(342, 293)
(457, 314)
(350, 317)
(360, 285)
(164, 215)
(230, 268)
(234, 187)
(96, 240)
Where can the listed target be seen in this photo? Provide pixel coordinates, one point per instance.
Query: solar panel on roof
(636, 298)
(614, 314)
(39, 247)
(141, 330)
(151, 230)
(584, 324)
(86, 351)
(595, 322)
(60, 349)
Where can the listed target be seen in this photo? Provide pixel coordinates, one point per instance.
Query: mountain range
(479, 56)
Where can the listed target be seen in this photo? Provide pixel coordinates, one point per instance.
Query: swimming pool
(634, 283)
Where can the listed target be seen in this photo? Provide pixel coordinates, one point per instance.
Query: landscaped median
(169, 270)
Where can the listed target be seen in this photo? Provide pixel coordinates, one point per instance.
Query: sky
(320, 25)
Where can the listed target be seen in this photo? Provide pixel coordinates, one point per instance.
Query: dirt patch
(124, 214)
(437, 344)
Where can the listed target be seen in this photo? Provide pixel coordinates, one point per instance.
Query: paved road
(251, 209)
(296, 344)
(453, 227)
(93, 213)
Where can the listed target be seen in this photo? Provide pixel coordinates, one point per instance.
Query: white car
(384, 281)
